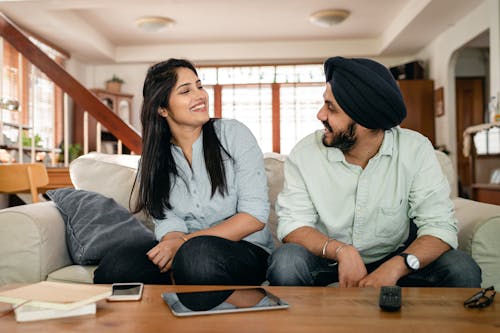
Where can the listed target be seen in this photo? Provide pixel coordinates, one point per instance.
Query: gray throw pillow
(95, 224)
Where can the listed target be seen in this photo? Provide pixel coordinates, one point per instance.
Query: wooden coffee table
(312, 309)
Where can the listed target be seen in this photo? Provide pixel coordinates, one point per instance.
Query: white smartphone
(129, 291)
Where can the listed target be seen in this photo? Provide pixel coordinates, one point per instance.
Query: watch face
(412, 261)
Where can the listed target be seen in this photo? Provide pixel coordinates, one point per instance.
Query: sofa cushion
(73, 274)
(479, 227)
(273, 164)
(447, 168)
(111, 175)
(95, 224)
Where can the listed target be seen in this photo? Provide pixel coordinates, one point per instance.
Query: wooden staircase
(81, 96)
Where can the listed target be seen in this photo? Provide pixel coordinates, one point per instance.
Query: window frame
(275, 95)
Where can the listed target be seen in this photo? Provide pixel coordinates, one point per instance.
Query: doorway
(470, 111)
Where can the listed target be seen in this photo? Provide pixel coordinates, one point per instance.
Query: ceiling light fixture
(154, 23)
(329, 17)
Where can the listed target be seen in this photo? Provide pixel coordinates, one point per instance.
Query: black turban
(366, 91)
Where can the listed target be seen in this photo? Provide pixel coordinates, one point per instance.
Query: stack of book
(47, 300)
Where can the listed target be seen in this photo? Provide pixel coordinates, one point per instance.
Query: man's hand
(427, 248)
(351, 267)
(386, 274)
(163, 253)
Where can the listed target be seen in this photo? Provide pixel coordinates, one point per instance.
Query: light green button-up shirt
(369, 208)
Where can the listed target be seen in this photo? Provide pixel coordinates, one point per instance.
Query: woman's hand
(163, 253)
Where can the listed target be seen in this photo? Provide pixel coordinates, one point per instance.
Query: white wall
(95, 76)
(80, 72)
(494, 22)
(442, 57)
(472, 62)
(132, 74)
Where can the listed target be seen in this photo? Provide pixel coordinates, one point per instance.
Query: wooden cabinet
(419, 99)
(488, 193)
(119, 103)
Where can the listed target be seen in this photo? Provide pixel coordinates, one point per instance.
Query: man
(353, 191)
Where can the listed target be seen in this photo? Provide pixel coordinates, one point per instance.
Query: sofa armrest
(32, 243)
(478, 235)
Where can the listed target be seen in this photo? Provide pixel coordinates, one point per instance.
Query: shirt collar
(387, 147)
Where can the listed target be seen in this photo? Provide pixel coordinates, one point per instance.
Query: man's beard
(343, 140)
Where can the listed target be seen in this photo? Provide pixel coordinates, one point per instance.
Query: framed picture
(439, 102)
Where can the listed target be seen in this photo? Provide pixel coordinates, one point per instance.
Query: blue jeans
(293, 265)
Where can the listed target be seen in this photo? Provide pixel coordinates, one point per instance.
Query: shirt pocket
(392, 222)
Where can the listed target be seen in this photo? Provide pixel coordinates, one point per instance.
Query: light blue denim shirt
(194, 209)
(369, 208)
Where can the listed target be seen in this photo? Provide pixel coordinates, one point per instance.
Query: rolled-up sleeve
(430, 205)
(250, 175)
(294, 206)
(170, 223)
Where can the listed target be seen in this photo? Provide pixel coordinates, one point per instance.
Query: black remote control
(390, 298)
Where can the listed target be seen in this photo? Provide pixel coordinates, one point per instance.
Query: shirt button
(197, 205)
(194, 191)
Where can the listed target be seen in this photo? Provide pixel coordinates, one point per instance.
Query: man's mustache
(327, 125)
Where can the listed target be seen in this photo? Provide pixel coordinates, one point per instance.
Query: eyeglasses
(481, 299)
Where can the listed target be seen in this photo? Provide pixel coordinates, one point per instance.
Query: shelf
(28, 148)
(16, 125)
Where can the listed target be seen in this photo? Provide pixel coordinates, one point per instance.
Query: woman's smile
(200, 107)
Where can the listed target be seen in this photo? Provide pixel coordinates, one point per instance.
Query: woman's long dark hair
(157, 169)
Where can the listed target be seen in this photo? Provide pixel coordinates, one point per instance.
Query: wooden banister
(80, 95)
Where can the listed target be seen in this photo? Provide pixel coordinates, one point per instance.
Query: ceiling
(103, 31)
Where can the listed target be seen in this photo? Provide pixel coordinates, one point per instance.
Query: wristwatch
(411, 261)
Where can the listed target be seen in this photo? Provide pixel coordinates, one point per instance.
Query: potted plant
(114, 84)
(74, 150)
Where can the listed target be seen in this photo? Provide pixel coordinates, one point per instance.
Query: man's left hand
(386, 274)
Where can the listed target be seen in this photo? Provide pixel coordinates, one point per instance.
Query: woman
(203, 182)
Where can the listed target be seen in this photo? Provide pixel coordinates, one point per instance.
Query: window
(299, 105)
(278, 103)
(40, 102)
(252, 105)
(10, 89)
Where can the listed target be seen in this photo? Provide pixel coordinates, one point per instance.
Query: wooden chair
(23, 177)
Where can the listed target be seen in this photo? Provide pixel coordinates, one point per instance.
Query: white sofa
(32, 237)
